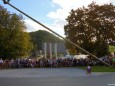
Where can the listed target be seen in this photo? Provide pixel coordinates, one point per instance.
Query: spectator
(88, 70)
(1, 63)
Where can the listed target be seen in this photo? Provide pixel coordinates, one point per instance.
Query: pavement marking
(111, 84)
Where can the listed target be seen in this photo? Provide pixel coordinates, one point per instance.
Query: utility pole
(7, 2)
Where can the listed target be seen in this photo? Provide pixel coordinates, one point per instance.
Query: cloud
(67, 5)
(32, 26)
(58, 26)
(61, 13)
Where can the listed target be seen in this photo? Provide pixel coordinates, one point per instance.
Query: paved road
(54, 77)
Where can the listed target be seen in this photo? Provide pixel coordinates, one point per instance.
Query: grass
(100, 68)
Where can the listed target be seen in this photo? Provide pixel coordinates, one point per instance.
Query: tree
(92, 28)
(14, 41)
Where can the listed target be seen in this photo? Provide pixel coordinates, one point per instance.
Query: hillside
(42, 36)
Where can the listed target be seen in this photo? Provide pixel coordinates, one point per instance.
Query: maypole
(7, 2)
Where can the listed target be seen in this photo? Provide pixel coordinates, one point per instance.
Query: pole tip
(5, 1)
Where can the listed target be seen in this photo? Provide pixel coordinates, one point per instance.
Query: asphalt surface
(54, 77)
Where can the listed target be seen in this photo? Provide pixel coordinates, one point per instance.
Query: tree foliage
(92, 27)
(14, 41)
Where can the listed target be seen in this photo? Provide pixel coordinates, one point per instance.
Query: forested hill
(42, 36)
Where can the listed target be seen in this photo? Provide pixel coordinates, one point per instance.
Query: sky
(51, 13)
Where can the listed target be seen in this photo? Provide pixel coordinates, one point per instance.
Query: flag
(55, 48)
(50, 47)
(45, 50)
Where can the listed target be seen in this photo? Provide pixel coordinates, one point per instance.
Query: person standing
(88, 69)
(1, 63)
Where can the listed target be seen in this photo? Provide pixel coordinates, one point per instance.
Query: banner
(50, 47)
(55, 49)
(113, 59)
(111, 48)
(45, 50)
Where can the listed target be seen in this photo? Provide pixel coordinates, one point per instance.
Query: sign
(113, 59)
(111, 48)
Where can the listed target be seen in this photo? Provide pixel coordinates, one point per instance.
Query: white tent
(80, 56)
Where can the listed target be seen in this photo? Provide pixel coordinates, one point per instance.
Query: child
(88, 70)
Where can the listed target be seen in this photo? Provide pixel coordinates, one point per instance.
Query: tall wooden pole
(59, 35)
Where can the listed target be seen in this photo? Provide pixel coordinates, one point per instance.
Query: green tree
(14, 41)
(92, 28)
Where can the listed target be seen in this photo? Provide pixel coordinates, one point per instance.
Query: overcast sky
(52, 13)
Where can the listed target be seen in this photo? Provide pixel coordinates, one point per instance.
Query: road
(54, 77)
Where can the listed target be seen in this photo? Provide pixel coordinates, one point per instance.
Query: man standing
(1, 63)
(88, 70)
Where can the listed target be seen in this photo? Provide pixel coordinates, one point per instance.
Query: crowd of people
(40, 63)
